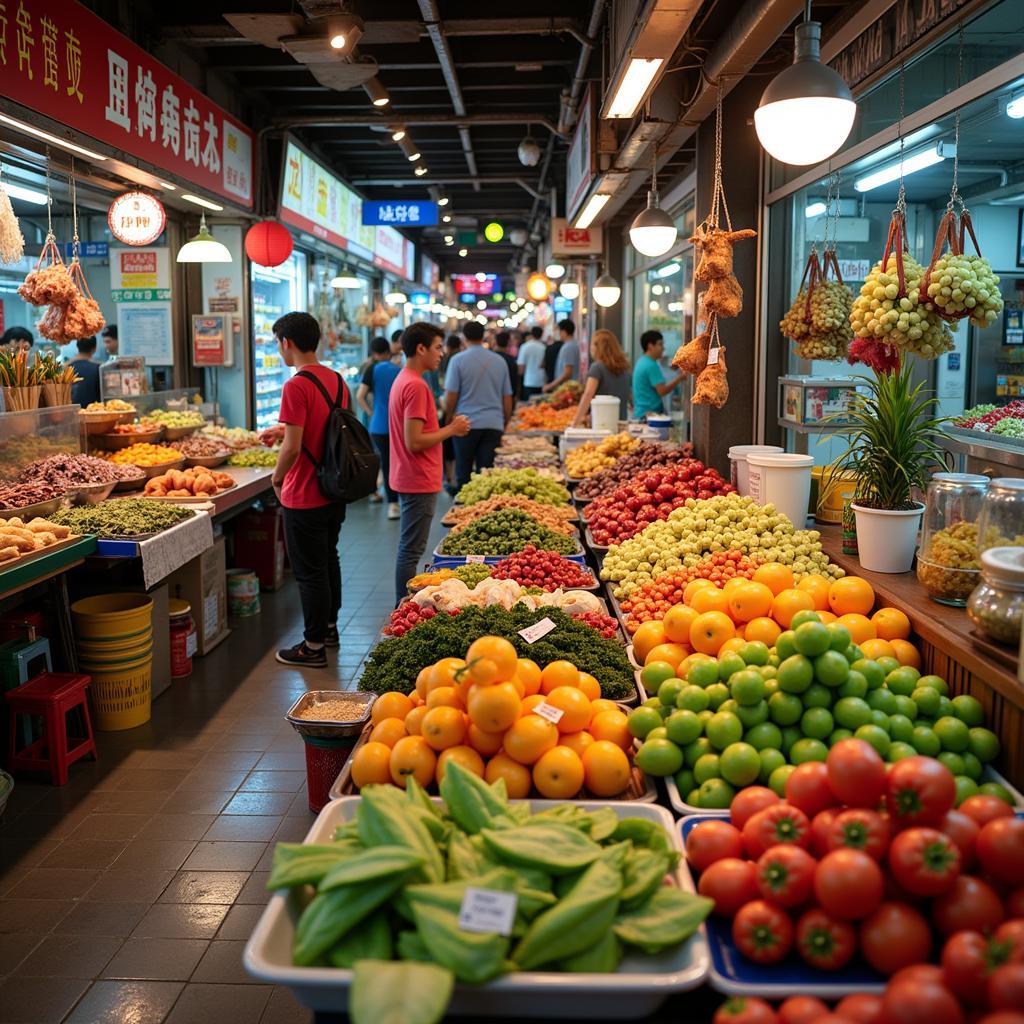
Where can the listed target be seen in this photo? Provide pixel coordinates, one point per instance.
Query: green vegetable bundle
(527, 482)
(506, 531)
(390, 888)
(395, 663)
(126, 517)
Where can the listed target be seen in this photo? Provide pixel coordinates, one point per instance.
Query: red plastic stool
(50, 695)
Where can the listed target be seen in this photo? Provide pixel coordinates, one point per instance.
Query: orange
(558, 673)
(649, 634)
(710, 600)
(390, 705)
(693, 586)
(412, 755)
(390, 731)
(443, 674)
(529, 672)
(672, 653)
(731, 645)
(860, 626)
(749, 600)
(826, 616)
(578, 741)
(689, 660)
(741, 630)
(612, 726)
(762, 628)
(423, 682)
(371, 765)
(606, 769)
(529, 703)
(483, 671)
(417, 700)
(443, 727)
(817, 586)
(530, 737)
(574, 705)
(519, 685)
(558, 774)
(875, 649)
(732, 584)
(775, 576)
(445, 697)
(498, 650)
(517, 776)
(486, 743)
(590, 686)
(787, 603)
(602, 704)
(710, 630)
(677, 622)
(466, 756)
(494, 708)
(414, 720)
(851, 594)
(891, 624)
(906, 653)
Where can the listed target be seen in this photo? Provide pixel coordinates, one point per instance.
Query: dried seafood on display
(819, 319)
(712, 385)
(12, 242)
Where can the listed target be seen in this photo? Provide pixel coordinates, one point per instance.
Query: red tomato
(924, 861)
(1015, 903)
(863, 1008)
(762, 933)
(930, 974)
(821, 827)
(779, 823)
(920, 791)
(860, 829)
(894, 936)
(744, 1010)
(984, 808)
(1006, 988)
(801, 1010)
(1011, 934)
(911, 1002)
(785, 875)
(856, 773)
(1002, 1017)
(1000, 849)
(710, 841)
(825, 942)
(964, 832)
(747, 802)
(808, 788)
(848, 884)
(730, 883)
(969, 903)
(968, 958)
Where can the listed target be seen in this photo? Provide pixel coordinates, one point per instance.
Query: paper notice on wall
(210, 615)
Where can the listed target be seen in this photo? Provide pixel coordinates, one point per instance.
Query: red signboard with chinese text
(62, 61)
(469, 284)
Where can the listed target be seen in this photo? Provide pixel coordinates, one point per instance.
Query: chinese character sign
(410, 213)
(61, 60)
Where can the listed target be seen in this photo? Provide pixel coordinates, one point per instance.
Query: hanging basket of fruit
(818, 321)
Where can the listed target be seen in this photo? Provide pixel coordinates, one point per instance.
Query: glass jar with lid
(997, 604)
(947, 561)
(1001, 523)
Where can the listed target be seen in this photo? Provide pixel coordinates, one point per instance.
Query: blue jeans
(414, 529)
(382, 442)
(474, 451)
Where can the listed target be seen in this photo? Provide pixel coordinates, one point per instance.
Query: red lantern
(268, 243)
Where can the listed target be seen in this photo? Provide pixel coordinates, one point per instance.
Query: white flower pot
(887, 538)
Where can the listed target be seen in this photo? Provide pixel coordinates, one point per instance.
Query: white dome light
(569, 290)
(203, 248)
(555, 271)
(606, 291)
(653, 232)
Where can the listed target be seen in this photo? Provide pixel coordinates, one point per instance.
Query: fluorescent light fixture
(443, 201)
(1015, 108)
(891, 172)
(463, 252)
(378, 94)
(555, 271)
(52, 139)
(594, 205)
(26, 195)
(633, 86)
(167, 185)
(669, 270)
(397, 135)
(446, 219)
(346, 281)
(203, 247)
(395, 298)
(569, 290)
(200, 201)
(420, 171)
(412, 157)
(815, 209)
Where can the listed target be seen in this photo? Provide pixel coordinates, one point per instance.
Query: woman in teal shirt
(649, 384)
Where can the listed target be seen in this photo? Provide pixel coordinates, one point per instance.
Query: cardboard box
(203, 583)
(259, 545)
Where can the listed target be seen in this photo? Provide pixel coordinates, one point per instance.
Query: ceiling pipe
(570, 102)
(346, 120)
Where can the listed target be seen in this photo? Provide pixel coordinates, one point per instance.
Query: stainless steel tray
(329, 729)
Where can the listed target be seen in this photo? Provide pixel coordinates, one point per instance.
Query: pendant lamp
(203, 248)
(653, 232)
(268, 243)
(606, 291)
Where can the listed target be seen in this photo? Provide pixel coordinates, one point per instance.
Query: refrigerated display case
(345, 343)
(275, 291)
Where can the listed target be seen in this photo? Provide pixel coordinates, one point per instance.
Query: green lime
(882, 700)
(740, 764)
(728, 664)
(661, 733)
(837, 736)
(652, 702)
(754, 652)
(785, 708)
(707, 767)
(852, 712)
(771, 758)
(855, 686)
(880, 718)
(937, 683)
(693, 798)
(876, 736)
(796, 673)
(659, 757)
(802, 616)
(953, 734)
(906, 707)
(811, 636)
(779, 777)
(785, 647)
(683, 727)
(853, 653)
(902, 680)
(954, 762)
(817, 696)
(697, 749)
(771, 687)
(724, 728)
(654, 674)
(808, 749)
(752, 714)
(747, 687)
(718, 694)
(945, 706)
(790, 735)
(924, 741)
(669, 690)
(983, 744)
(965, 787)
(764, 735)
(831, 668)
(817, 723)
(888, 664)
(715, 794)
(773, 659)
(665, 711)
(703, 673)
(728, 705)
(968, 709)
(901, 728)
(643, 720)
(838, 637)
(898, 751)
(871, 671)
(996, 789)
(684, 780)
(692, 698)
(927, 700)
(973, 768)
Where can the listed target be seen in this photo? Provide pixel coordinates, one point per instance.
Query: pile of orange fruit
(543, 417)
(480, 712)
(713, 621)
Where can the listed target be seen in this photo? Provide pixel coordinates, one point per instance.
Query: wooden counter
(948, 649)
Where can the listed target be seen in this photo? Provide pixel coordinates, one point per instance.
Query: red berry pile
(993, 416)
(649, 498)
(407, 615)
(548, 570)
(604, 624)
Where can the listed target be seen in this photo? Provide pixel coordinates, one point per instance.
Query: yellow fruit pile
(826, 331)
(589, 459)
(145, 455)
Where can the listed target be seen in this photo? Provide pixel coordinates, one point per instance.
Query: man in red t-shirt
(416, 440)
(312, 524)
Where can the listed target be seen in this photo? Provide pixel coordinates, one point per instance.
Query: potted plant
(893, 436)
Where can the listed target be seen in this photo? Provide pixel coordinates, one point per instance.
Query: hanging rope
(74, 212)
(49, 201)
(901, 199)
(719, 205)
(954, 193)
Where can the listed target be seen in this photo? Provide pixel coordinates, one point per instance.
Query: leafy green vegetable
(399, 993)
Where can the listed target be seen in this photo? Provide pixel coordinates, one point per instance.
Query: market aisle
(127, 895)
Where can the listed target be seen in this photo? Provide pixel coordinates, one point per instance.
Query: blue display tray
(453, 561)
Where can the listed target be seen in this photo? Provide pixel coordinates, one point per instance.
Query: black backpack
(349, 467)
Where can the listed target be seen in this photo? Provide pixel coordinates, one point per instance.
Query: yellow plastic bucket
(112, 616)
(121, 694)
(115, 648)
(115, 659)
(835, 491)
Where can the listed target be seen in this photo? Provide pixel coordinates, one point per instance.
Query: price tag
(470, 559)
(191, 644)
(548, 711)
(539, 629)
(713, 356)
(487, 910)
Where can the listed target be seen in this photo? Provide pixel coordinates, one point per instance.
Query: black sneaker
(331, 638)
(301, 654)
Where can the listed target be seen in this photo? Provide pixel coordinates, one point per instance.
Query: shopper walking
(87, 388)
(396, 348)
(531, 363)
(416, 440)
(554, 346)
(312, 524)
(608, 375)
(502, 340)
(567, 363)
(649, 383)
(372, 396)
(109, 336)
(477, 386)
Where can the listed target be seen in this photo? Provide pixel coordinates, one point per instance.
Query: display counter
(985, 453)
(252, 483)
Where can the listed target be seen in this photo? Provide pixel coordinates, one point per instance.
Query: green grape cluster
(1011, 426)
(827, 332)
(723, 523)
(527, 482)
(904, 323)
(965, 284)
(503, 532)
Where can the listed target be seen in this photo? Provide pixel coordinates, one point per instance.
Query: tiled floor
(127, 895)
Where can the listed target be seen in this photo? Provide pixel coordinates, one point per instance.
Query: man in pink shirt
(416, 471)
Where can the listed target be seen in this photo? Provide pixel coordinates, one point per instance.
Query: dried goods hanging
(712, 386)
(819, 319)
(12, 242)
(693, 356)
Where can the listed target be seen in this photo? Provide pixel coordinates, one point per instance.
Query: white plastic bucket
(738, 462)
(886, 538)
(660, 425)
(604, 413)
(781, 479)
